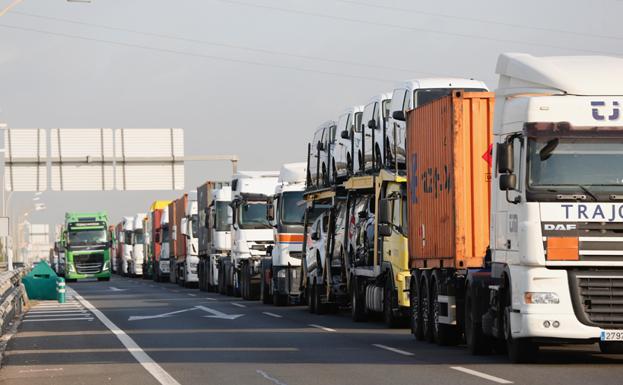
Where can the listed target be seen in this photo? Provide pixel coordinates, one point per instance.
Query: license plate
(611, 335)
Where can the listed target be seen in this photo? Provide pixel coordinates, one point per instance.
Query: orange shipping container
(449, 172)
(177, 242)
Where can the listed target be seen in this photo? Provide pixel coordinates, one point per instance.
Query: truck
(356, 248)
(118, 248)
(153, 236)
(250, 232)
(162, 265)
(87, 246)
(514, 215)
(112, 236)
(186, 258)
(127, 231)
(147, 246)
(214, 231)
(281, 269)
(138, 246)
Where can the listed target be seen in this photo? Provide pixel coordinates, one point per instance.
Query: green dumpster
(40, 283)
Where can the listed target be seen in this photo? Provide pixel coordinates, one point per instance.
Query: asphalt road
(132, 331)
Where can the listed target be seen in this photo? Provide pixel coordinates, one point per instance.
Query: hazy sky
(254, 77)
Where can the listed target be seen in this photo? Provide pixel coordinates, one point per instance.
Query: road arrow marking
(217, 314)
(165, 315)
(117, 289)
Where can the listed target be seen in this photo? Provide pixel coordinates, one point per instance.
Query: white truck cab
(557, 200)
(409, 95)
(220, 218)
(251, 232)
(190, 229)
(128, 233)
(138, 246)
(164, 268)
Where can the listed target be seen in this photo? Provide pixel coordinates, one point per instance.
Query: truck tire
(358, 305)
(266, 297)
(444, 334)
(427, 319)
(310, 293)
(280, 299)
(520, 350)
(477, 342)
(415, 304)
(243, 282)
(388, 306)
(320, 307)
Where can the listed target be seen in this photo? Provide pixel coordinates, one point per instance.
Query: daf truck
(281, 269)
(528, 253)
(214, 231)
(251, 232)
(87, 246)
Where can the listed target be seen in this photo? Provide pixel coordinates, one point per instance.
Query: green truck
(87, 246)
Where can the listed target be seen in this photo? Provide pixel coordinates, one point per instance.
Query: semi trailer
(161, 263)
(87, 246)
(514, 217)
(281, 269)
(152, 236)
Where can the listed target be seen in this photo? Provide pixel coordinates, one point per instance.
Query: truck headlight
(541, 298)
(281, 274)
(106, 265)
(72, 269)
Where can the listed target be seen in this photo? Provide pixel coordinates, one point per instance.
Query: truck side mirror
(384, 212)
(362, 214)
(385, 230)
(508, 182)
(320, 146)
(345, 134)
(399, 115)
(372, 124)
(270, 212)
(505, 158)
(157, 237)
(315, 236)
(184, 226)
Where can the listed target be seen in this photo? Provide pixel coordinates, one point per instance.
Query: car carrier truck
(250, 232)
(214, 231)
(281, 269)
(87, 246)
(526, 251)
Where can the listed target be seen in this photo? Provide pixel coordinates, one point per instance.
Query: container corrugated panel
(204, 199)
(180, 241)
(449, 180)
(172, 233)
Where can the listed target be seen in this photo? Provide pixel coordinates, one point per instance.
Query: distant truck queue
(490, 219)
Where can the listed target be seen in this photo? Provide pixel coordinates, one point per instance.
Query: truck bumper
(537, 320)
(103, 274)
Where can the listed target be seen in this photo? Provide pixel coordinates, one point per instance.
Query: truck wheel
(415, 303)
(388, 306)
(310, 291)
(477, 342)
(357, 306)
(444, 334)
(607, 347)
(427, 319)
(265, 289)
(520, 350)
(280, 299)
(319, 306)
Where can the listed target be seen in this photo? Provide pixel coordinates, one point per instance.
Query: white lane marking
(481, 375)
(218, 314)
(65, 314)
(403, 352)
(269, 378)
(192, 295)
(326, 329)
(238, 304)
(58, 319)
(271, 314)
(117, 289)
(56, 311)
(210, 298)
(161, 375)
(41, 370)
(164, 315)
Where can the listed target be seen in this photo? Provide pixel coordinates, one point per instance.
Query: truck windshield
(139, 237)
(165, 234)
(128, 237)
(252, 215)
(222, 213)
(87, 237)
(575, 163)
(427, 95)
(291, 212)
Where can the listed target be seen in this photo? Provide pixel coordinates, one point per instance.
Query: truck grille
(600, 242)
(598, 299)
(89, 263)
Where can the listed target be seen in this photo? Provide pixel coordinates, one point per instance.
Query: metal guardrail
(12, 296)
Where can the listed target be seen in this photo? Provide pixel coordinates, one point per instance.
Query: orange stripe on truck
(291, 238)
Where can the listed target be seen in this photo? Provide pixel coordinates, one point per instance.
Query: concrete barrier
(13, 298)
